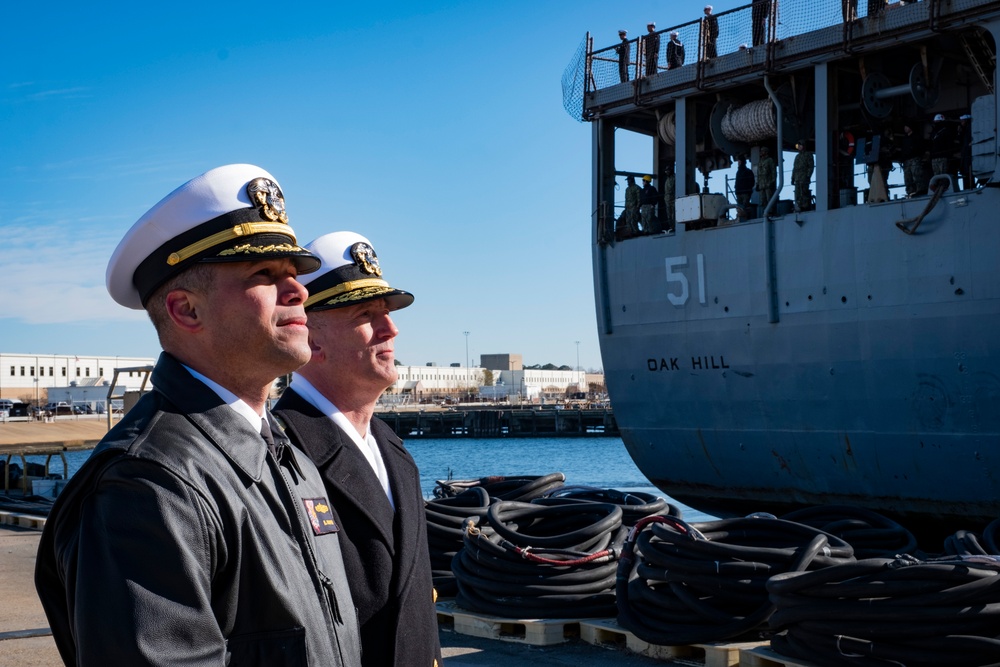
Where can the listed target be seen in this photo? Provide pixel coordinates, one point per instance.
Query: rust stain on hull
(708, 457)
(781, 461)
(849, 462)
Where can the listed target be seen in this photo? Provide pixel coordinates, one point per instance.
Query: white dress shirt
(364, 442)
(231, 399)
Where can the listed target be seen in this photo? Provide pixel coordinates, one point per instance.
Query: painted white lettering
(701, 278)
(677, 277)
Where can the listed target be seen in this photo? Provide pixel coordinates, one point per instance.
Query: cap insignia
(364, 256)
(266, 196)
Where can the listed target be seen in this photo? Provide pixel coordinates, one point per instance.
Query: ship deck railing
(793, 30)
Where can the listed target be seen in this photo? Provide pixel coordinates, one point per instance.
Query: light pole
(577, 355)
(466, 360)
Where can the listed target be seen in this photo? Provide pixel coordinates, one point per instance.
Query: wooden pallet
(763, 656)
(536, 632)
(22, 520)
(607, 632)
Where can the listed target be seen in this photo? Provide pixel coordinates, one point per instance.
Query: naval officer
(370, 477)
(196, 534)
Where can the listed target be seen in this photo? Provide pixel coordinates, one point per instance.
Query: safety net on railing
(573, 83)
(709, 36)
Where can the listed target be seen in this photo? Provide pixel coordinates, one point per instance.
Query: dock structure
(503, 423)
(22, 439)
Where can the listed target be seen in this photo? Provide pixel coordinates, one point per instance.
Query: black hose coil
(554, 560)
(967, 543)
(520, 488)
(445, 531)
(871, 534)
(635, 504)
(456, 500)
(887, 612)
(682, 583)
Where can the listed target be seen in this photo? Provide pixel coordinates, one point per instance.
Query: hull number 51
(678, 286)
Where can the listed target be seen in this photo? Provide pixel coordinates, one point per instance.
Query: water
(601, 462)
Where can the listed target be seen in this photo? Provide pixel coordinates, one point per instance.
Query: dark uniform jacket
(744, 180)
(624, 50)
(651, 44)
(385, 552)
(675, 54)
(649, 195)
(911, 146)
(942, 140)
(183, 541)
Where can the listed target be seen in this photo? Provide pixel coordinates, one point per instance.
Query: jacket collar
(226, 428)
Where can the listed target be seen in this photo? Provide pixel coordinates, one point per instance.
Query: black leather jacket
(182, 541)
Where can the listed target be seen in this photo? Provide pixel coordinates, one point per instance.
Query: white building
(434, 380)
(528, 383)
(512, 385)
(30, 376)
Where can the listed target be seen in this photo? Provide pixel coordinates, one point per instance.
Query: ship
(842, 349)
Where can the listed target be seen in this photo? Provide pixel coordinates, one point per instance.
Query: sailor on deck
(766, 178)
(633, 193)
(911, 153)
(743, 188)
(942, 144)
(651, 46)
(802, 171)
(648, 200)
(709, 32)
(623, 50)
(669, 196)
(675, 51)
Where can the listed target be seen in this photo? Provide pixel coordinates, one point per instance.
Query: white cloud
(60, 93)
(55, 275)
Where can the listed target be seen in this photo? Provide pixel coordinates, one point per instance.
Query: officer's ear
(184, 309)
(318, 354)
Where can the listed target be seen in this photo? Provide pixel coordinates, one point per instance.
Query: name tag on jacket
(320, 515)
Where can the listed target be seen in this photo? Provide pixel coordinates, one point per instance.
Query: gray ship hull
(878, 385)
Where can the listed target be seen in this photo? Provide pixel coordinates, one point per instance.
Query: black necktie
(265, 432)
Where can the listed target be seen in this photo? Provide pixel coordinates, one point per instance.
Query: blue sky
(435, 129)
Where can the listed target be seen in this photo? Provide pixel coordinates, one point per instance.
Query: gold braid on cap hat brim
(243, 229)
(343, 288)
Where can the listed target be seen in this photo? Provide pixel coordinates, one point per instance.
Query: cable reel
(667, 129)
(877, 93)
